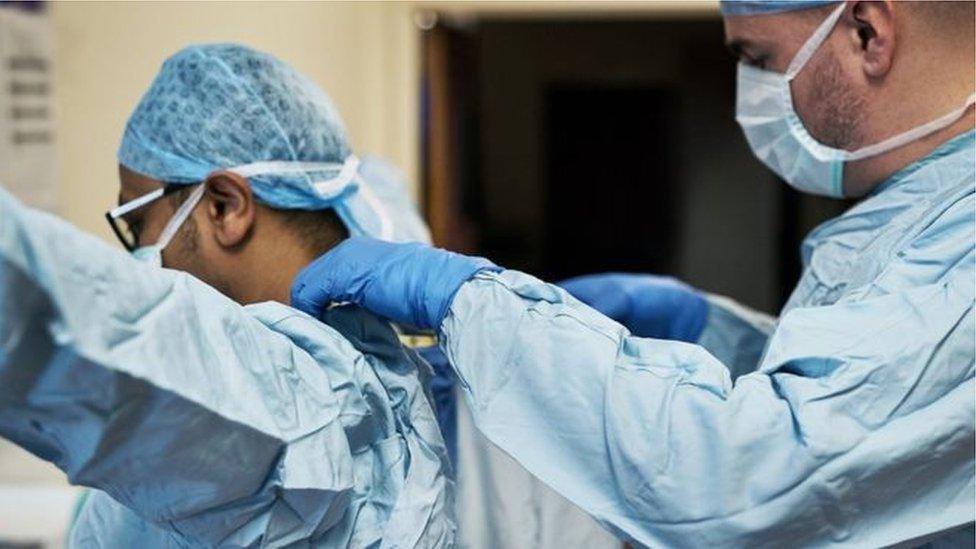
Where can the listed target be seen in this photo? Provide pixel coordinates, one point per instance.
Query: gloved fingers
(582, 288)
(311, 298)
(648, 305)
(593, 289)
(316, 285)
(406, 282)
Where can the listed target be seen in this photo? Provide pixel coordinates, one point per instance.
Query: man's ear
(230, 208)
(874, 23)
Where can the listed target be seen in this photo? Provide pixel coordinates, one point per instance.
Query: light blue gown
(202, 423)
(850, 420)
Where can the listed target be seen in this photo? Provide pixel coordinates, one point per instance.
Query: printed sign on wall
(28, 166)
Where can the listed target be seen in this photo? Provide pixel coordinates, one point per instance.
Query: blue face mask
(153, 254)
(777, 136)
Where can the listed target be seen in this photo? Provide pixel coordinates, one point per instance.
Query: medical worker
(849, 420)
(259, 217)
(199, 422)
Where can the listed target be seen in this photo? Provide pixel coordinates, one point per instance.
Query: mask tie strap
(336, 184)
(282, 167)
(814, 42)
(183, 212)
(328, 187)
(386, 224)
(137, 203)
(914, 134)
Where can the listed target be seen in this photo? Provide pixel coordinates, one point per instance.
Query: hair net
(225, 106)
(760, 7)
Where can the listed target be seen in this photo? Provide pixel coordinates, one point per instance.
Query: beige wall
(366, 55)
(363, 54)
(542, 9)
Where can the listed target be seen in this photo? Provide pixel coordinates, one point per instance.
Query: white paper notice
(28, 166)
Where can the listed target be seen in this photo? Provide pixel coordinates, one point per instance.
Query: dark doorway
(604, 214)
(590, 145)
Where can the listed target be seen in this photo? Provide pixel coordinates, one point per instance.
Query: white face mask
(764, 109)
(153, 254)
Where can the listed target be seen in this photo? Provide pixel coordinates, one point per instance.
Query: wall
(362, 53)
(543, 9)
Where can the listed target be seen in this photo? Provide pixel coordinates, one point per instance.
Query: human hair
(318, 230)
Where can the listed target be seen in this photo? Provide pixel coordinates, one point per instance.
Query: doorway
(570, 146)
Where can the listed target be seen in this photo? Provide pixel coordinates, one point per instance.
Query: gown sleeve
(856, 428)
(151, 386)
(735, 334)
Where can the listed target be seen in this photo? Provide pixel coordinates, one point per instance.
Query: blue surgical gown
(850, 420)
(202, 423)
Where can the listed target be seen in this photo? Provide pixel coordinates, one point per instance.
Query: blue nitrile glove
(408, 283)
(648, 305)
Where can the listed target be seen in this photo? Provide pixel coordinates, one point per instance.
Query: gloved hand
(648, 305)
(411, 283)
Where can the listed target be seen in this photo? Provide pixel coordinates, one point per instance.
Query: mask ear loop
(386, 225)
(909, 136)
(350, 174)
(325, 188)
(346, 175)
(182, 213)
(813, 43)
(284, 167)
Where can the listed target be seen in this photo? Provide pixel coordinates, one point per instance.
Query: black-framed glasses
(127, 232)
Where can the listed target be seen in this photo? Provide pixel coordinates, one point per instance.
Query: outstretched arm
(151, 386)
(664, 308)
(856, 424)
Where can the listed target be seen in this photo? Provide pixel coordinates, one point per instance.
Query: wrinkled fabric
(442, 385)
(647, 305)
(501, 505)
(735, 334)
(202, 423)
(763, 7)
(224, 106)
(855, 427)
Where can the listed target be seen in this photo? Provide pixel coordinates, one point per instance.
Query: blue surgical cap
(759, 7)
(225, 106)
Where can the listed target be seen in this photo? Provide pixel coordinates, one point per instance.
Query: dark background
(581, 146)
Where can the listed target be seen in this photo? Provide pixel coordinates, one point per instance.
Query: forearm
(576, 400)
(652, 438)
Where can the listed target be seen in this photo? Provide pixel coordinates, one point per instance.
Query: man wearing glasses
(200, 422)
